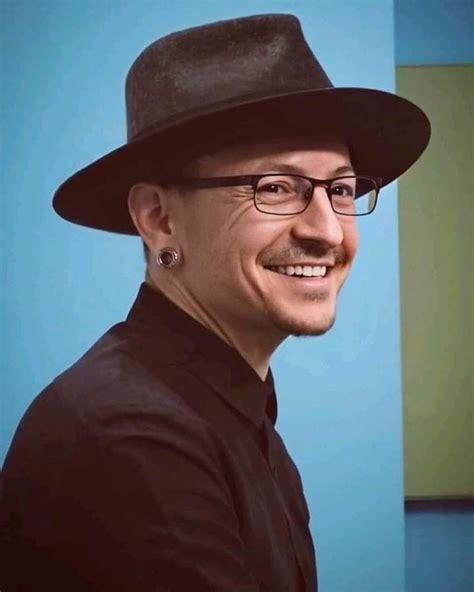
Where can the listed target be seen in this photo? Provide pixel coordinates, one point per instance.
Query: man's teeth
(301, 270)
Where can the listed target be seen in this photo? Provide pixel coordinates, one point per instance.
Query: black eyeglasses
(286, 194)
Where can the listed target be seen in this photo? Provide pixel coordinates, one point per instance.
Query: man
(153, 463)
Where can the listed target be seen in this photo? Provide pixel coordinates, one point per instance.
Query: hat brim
(386, 134)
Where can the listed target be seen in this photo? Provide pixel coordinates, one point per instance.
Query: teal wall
(439, 540)
(64, 65)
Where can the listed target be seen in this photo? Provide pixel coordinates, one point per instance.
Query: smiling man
(153, 463)
(279, 252)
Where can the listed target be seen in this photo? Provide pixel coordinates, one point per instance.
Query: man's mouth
(317, 271)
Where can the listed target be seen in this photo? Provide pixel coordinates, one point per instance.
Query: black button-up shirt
(153, 464)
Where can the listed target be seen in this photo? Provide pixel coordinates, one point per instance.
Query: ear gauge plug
(167, 257)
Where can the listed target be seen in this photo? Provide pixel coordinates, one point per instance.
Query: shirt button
(275, 472)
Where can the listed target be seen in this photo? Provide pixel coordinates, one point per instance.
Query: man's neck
(255, 349)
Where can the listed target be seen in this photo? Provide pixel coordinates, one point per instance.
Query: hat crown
(211, 67)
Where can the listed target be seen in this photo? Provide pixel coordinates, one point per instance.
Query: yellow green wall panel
(436, 273)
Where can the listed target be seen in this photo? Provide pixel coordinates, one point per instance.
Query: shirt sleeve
(138, 502)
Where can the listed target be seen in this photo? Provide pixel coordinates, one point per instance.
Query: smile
(300, 270)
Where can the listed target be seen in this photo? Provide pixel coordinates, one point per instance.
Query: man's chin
(299, 327)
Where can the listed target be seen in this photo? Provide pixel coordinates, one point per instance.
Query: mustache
(306, 252)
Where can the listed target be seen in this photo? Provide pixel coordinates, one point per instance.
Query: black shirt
(153, 464)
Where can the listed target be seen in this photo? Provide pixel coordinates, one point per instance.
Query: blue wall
(434, 32)
(439, 550)
(339, 395)
(439, 542)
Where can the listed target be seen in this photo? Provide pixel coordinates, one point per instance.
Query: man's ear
(148, 207)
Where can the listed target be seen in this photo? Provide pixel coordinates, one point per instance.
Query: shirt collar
(180, 338)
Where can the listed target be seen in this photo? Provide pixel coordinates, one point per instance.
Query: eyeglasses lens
(289, 194)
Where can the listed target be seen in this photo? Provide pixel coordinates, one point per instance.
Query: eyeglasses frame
(253, 180)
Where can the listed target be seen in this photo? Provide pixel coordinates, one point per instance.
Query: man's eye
(342, 190)
(273, 188)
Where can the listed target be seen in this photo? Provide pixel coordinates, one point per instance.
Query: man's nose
(319, 222)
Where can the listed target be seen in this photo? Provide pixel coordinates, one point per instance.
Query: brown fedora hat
(252, 77)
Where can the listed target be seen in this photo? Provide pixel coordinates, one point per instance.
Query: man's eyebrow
(342, 170)
(282, 167)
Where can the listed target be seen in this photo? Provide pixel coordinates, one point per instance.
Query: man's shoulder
(111, 394)
(114, 375)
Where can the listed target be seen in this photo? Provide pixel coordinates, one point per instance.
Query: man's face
(239, 264)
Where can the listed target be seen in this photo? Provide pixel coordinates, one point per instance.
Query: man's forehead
(282, 153)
